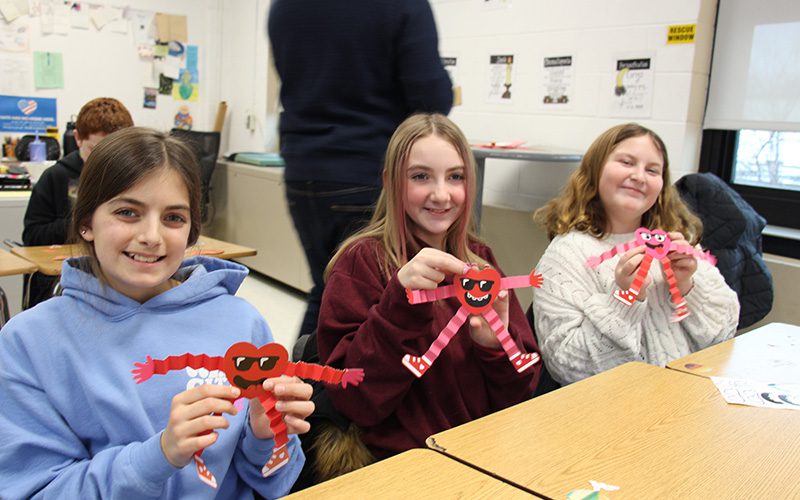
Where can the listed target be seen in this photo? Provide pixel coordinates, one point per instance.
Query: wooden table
(10, 265)
(411, 475)
(655, 433)
(48, 259)
(768, 354)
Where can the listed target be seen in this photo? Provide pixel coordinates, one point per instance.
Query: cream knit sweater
(583, 330)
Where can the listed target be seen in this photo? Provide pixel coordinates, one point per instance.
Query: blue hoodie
(74, 423)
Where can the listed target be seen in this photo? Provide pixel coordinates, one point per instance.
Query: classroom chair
(546, 381)
(205, 146)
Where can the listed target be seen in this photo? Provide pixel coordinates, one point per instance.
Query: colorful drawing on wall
(164, 84)
(150, 96)
(186, 88)
(183, 119)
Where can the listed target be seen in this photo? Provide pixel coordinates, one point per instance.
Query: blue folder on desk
(259, 159)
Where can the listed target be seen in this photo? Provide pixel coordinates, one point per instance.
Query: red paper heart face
(656, 242)
(476, 290)
(247, 366)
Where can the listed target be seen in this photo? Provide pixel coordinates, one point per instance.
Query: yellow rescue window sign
(681, 33)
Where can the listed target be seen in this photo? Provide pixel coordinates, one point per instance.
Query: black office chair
(53, 148)
(205, 146)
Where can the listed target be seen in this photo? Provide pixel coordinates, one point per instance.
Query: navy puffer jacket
(732, 232)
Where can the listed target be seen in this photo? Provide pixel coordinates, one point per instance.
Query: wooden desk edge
(21, 265)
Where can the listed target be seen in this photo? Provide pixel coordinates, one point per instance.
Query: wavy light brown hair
(390, 224)
(579, 206)
(118, 163)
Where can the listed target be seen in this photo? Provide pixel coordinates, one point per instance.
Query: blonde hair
(389, 223)
(579, 206)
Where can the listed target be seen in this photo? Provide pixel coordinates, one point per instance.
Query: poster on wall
(150, 98)
(16, 77)
(450, 65)
(26, 114)
(164, 84)
(48, 70)
(185, 88)
(15, 37)
(631, 92)
(79, 16)
(501, 78)
(558, 82)
(142, 26)
(55, 18)
(13, 9)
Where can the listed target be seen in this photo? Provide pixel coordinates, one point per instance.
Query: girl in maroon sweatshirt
(421, 234)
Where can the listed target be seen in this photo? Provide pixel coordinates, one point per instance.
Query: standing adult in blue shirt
(351, 72)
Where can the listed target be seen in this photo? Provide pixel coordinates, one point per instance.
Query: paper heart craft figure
(247, 367)
(476, 290)
(657, 245)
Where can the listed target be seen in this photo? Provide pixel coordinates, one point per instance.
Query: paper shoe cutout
(657, 245)
(247, 367)
(476, 290)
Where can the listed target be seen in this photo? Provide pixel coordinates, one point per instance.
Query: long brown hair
(579, 206)
(118, 163)
(390, 223)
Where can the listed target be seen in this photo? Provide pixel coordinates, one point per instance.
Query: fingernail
(268, 385)
(235, 392)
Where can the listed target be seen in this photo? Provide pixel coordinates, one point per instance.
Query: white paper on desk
(754, 393)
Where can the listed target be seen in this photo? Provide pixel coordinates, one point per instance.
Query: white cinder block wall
(595, 33)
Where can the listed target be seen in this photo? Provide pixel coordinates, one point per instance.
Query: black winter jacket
(732, 232)
(48, 216)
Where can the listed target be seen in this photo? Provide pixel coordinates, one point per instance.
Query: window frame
(780, 207)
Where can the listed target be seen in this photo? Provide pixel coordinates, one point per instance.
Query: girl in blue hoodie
(73, 421)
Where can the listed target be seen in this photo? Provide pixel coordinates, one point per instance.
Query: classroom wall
(251, 122)
(106, 63)
(594, 33)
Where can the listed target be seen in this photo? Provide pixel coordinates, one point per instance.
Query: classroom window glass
(768, 158)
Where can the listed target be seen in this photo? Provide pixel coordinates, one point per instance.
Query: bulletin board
(76, 51)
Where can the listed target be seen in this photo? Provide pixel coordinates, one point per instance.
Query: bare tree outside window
(768, 158)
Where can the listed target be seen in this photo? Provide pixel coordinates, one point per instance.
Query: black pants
(324, 215)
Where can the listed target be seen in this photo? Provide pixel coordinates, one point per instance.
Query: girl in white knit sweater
(622, 184)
